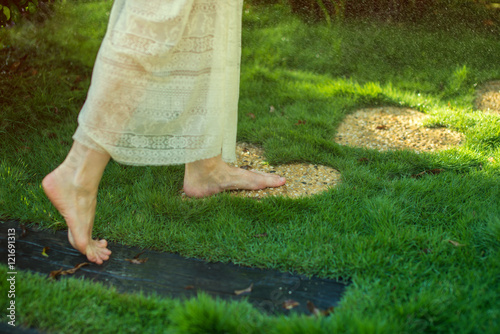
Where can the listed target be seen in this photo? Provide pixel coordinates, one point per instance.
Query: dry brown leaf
(329, 311)
(245, 291)
(189, 287)
(300, 122)
(251, 115)
(77, 80)
(313, 309)
(15, 66)
(137, 256)
(290, 304)
(434, 171)
(455, 243)
(24, 231)
(137, 261)
(73, 270)
(45, 250)
(317, 312)
(56, 273)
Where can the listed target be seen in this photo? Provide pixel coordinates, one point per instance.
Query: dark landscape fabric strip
(171, 275)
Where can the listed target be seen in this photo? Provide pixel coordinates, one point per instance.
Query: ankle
(76, 178)
(203, 167)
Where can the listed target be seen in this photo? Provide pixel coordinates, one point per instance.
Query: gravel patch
(391, 128)
(488, 97)
(302, 179)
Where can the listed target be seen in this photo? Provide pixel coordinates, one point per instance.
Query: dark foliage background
(12, 11)
(393, 10)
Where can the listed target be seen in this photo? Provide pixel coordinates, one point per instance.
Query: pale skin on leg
(72, 189)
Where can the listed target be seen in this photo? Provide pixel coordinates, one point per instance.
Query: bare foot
(211, 176)
(73, 192)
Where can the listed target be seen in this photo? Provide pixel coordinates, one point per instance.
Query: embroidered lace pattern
(165, 83)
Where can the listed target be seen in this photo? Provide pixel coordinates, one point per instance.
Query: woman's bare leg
(211, 176)
(72, 189)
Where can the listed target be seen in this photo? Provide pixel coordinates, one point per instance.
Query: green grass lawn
(384, 230)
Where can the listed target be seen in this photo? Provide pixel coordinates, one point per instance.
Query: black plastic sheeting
(170, 274)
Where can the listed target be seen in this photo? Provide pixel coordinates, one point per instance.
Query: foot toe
(104, 257)
(93, 258)
(277, 182)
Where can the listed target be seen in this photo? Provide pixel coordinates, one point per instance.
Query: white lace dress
(165, 84)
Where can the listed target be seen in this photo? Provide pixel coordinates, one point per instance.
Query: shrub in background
(12, 11)
(393, 10)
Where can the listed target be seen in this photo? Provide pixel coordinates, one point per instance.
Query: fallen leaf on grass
(15, 66)
(18, 63)
(317, 312)
(364, 160)
(300, 122)
(45, 250)
(456, 244)
(251, 115)
(434, 171)
(290, 304)
(136, 259)
(78, 79)
(272, 109)
(489, 23)
(23, 148)
(245, 291)
(56, 273)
